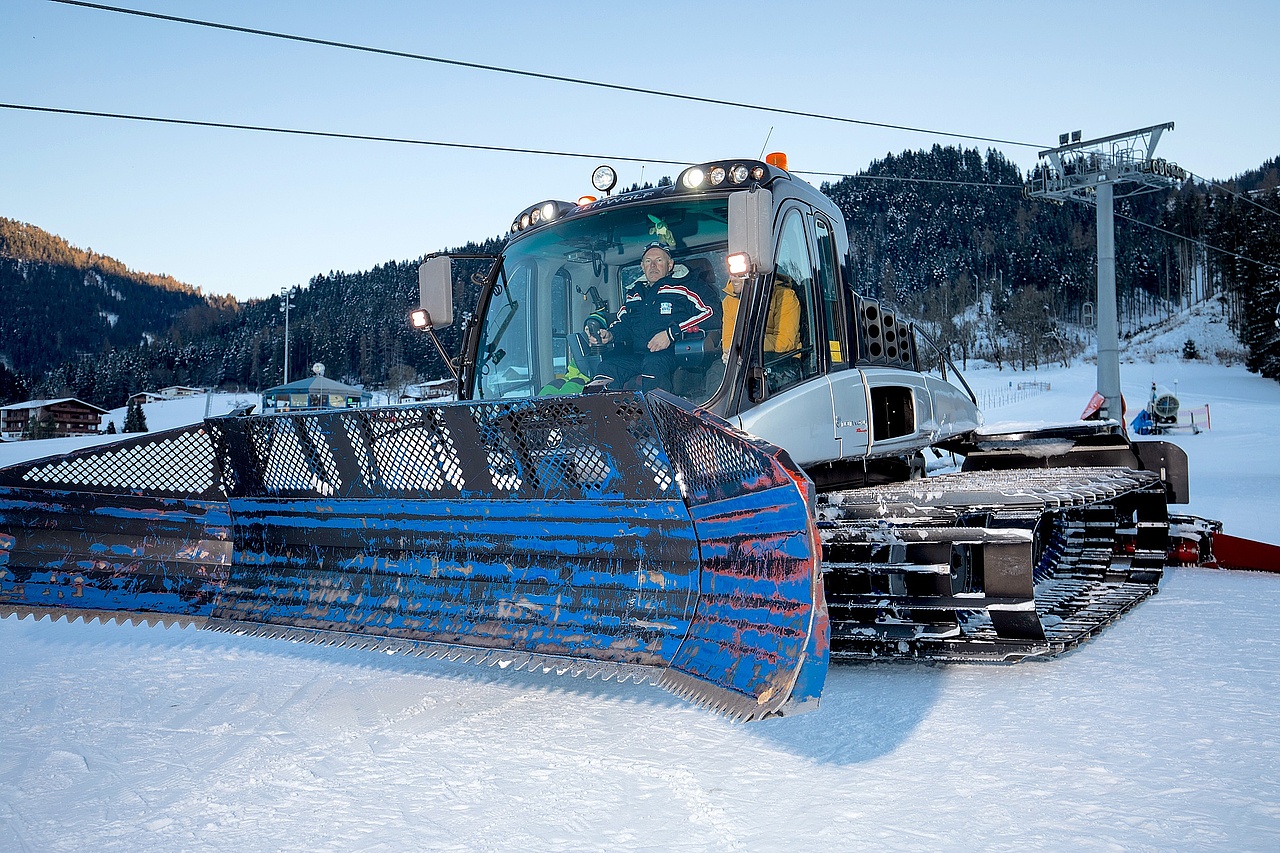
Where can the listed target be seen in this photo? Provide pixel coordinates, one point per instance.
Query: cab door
(788, 397)
(850, 423)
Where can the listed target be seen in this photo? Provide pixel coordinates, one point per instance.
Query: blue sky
(248, 213)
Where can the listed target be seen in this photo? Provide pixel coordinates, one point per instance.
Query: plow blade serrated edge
(610, 535)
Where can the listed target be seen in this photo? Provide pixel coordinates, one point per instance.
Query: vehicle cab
(797, 357)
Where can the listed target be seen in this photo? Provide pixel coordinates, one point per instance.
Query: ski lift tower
(1088, 171)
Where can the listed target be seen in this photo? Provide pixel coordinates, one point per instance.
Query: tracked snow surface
(1161, 734)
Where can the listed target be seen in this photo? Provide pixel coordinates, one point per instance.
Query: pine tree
(12, 387)
(135, 420)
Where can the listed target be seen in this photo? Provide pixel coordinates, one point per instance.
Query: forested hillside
(356, 324)
(944, 235)
(63, 303)
(935, 232)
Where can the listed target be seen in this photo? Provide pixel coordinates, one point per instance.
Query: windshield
(567, 279)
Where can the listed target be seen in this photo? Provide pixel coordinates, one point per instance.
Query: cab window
(506, 353)
(828, 280)
(788, 353)
(558, 305)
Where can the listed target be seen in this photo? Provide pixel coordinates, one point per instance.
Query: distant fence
(1196, 419)
(990, 398)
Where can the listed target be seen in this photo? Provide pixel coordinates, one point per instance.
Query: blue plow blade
(622, 535)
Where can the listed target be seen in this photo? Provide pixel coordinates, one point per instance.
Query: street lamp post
(286, 302)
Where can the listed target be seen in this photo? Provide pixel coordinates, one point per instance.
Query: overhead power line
(363, 137)
(537, 75)
(360, 137)
(337, 135)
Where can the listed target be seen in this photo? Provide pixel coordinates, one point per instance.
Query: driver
(656, 314)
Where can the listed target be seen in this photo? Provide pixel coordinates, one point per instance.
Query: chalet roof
(40, 404)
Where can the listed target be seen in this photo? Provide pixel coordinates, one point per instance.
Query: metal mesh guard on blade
(177, 462)
(574, 448)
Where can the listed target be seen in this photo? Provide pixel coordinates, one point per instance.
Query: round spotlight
(738, 173)
(535, 216)
(693, 178)
(548, 212)
(757, 174)
(524, 222)
(604, 178)
(717, 175)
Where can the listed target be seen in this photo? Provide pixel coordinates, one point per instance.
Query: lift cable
(1119, 215)
(843, 175)
(1233, 193)
(542, 152)
(1263, 264)
(328, 134)
(578, 81)
(458, 145)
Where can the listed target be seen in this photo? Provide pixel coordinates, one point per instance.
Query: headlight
(717, 175)
(738, 173)
(693, 178)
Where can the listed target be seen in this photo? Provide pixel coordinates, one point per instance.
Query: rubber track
(1072, 517)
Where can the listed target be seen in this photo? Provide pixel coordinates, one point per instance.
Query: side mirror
(751, 227)
(435, 293)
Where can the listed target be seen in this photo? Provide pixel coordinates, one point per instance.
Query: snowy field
(1162, 734)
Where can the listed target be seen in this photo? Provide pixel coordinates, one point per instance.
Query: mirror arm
(444, 356)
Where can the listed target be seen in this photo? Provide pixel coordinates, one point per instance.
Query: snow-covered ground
(1162, 734)
(186, 410)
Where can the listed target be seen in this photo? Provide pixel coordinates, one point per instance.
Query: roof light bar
(540, 214)
(730, 173)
